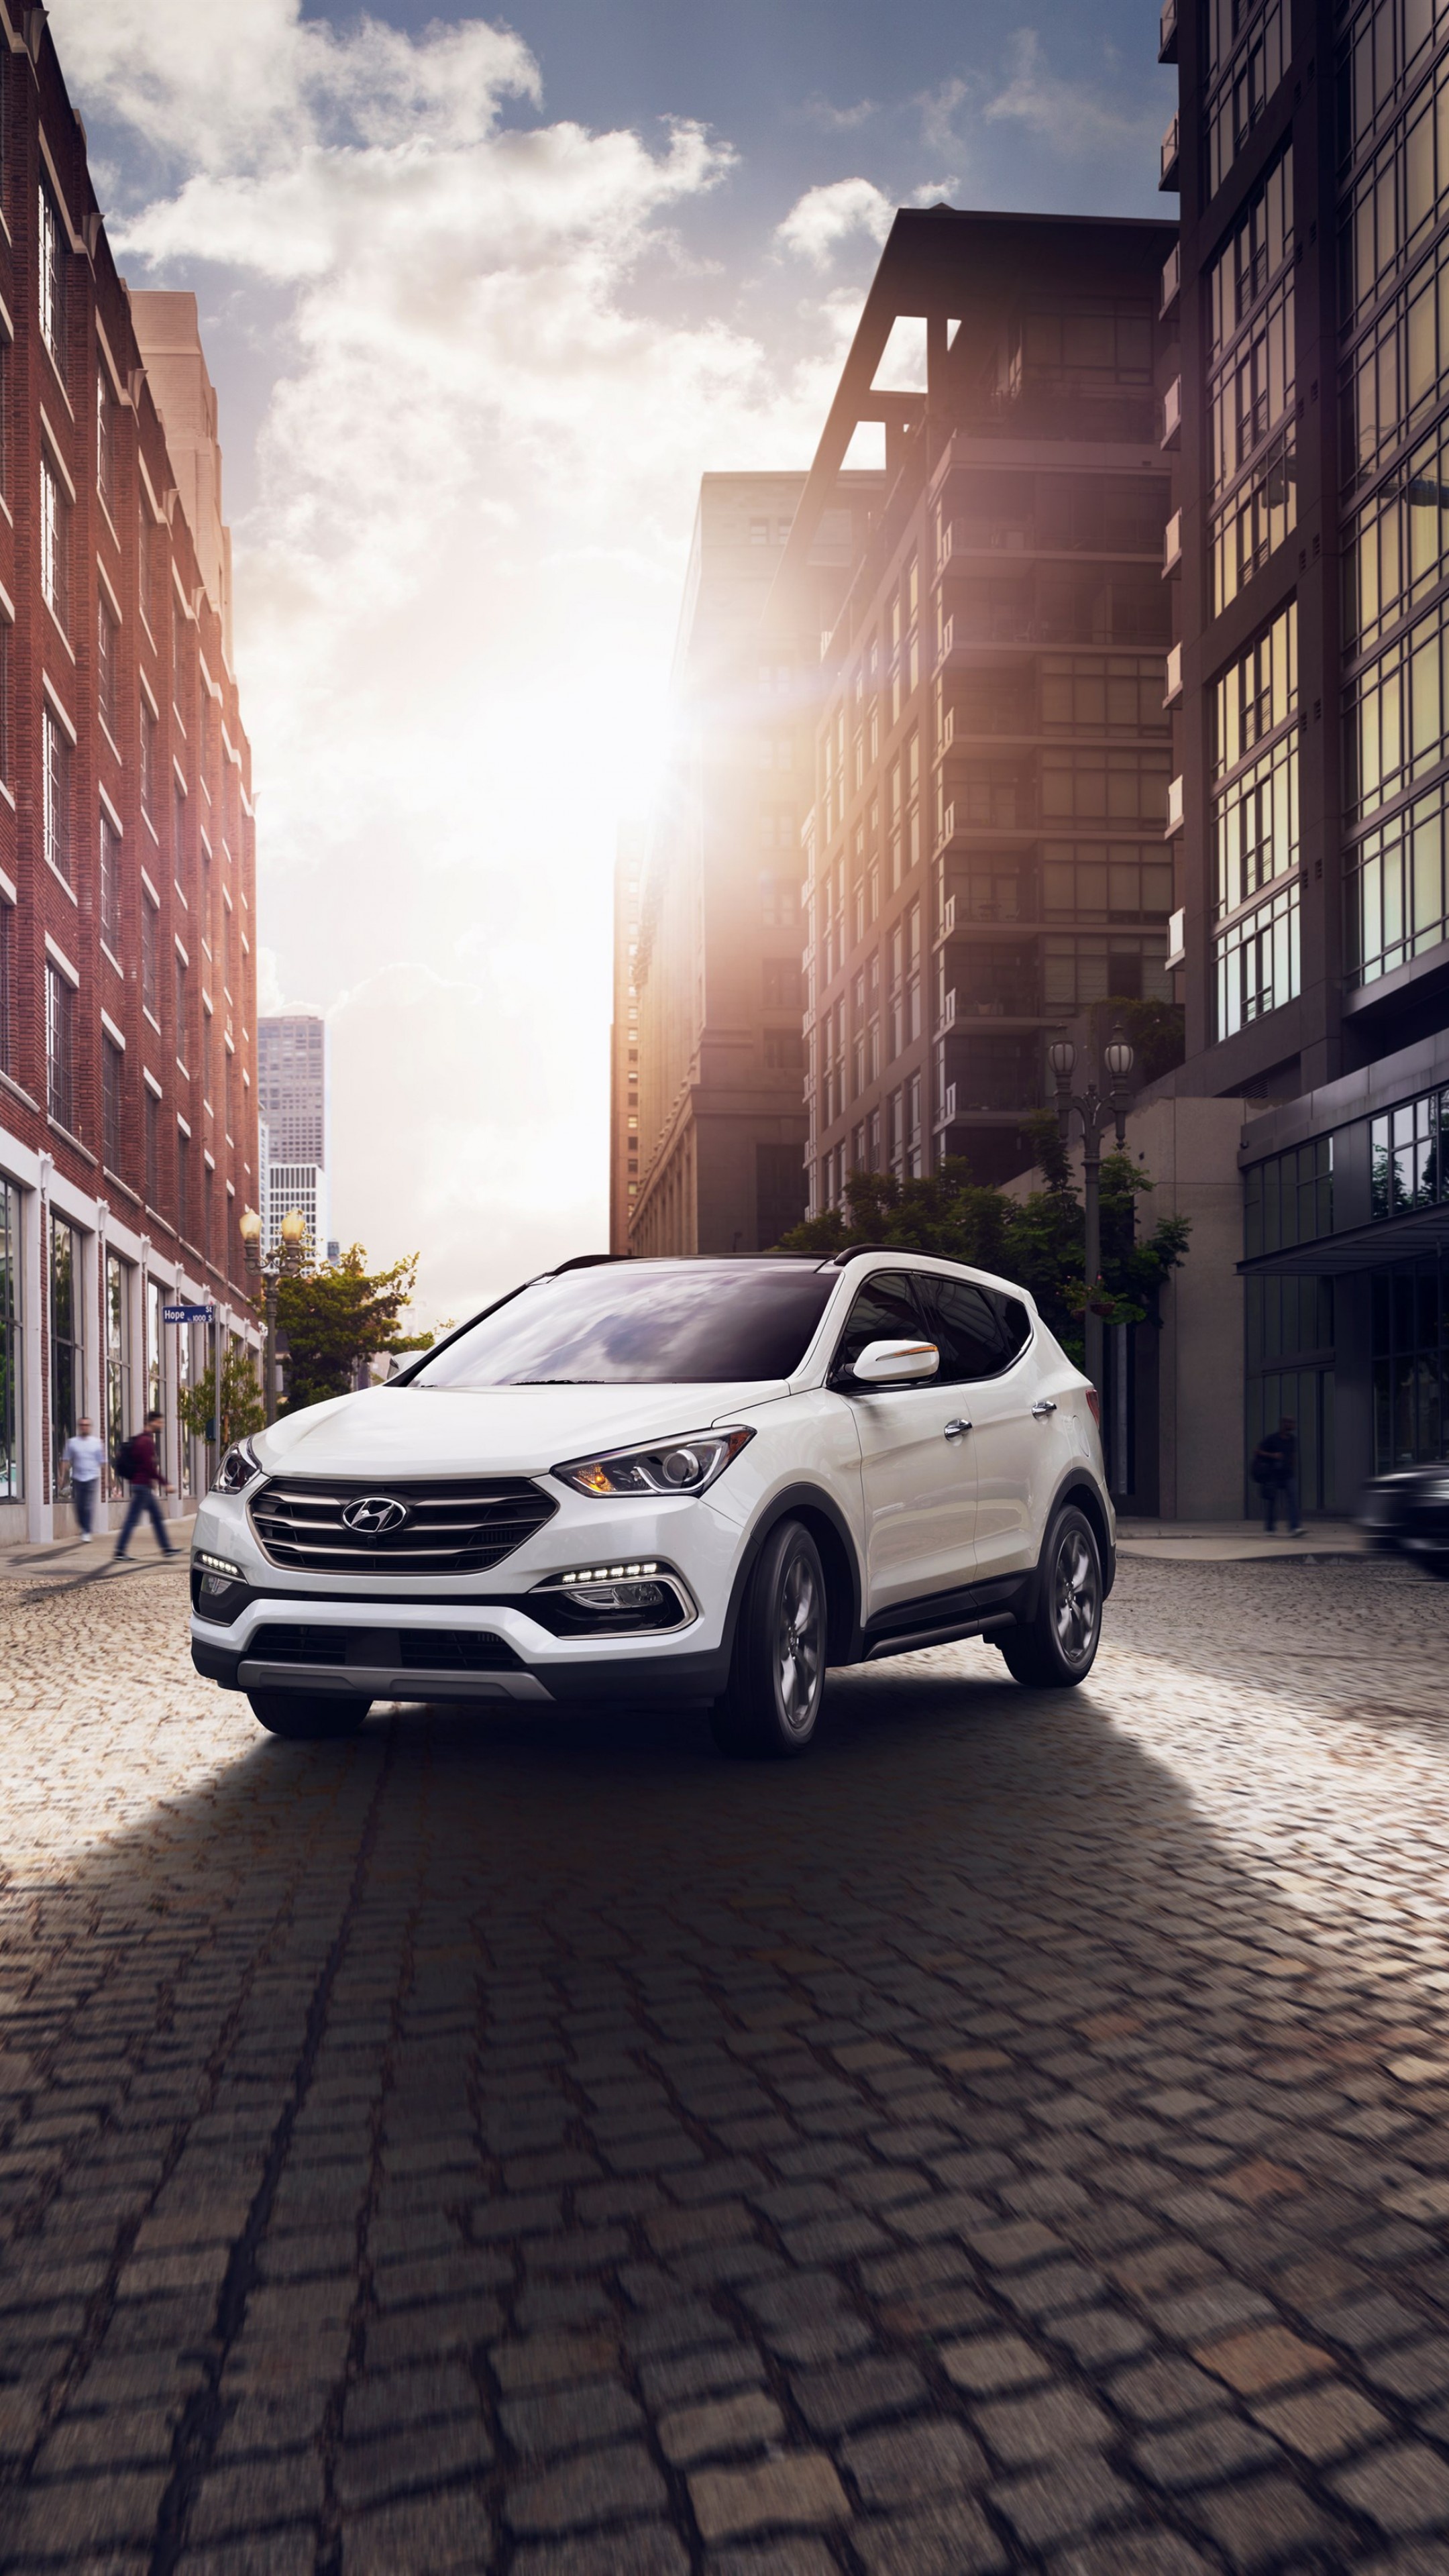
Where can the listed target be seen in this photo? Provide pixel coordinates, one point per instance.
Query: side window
(965, 1325)
(884, 1311)
(1013, 1321)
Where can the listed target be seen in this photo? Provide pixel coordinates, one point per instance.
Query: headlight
(238, 1469)
(684, 1466)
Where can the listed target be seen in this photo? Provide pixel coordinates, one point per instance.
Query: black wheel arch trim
(809, 1502)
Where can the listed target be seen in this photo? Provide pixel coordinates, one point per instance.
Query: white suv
(699, 1481)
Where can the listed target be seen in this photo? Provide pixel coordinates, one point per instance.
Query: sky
(482, 299)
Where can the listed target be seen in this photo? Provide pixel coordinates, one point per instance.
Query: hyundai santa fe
(694, 1481)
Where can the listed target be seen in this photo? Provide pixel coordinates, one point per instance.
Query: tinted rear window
(642, 1324)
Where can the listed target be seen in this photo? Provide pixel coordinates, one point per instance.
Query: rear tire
(777, 1680)
(1059, 1647)
(307, 1717)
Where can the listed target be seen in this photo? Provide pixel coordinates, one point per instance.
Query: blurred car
(1406, 1513)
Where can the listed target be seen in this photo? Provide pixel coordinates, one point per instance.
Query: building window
(153, 1148)
(1398, 715)
(6, 369)
(1241, 84)
(155, 1346)
(59, 1048)
(6, 639)
(12, 1378)
(119, 1421)
(180, 1009)
(107, 676)
(55, 543)
(784, 1051)
(1081, 880)
(178, 653)
(178, 826)
(1390, 41)
(52, 280)
(67, 1355)
(150, 960)
(56, 757)
(110, 885)
(1086, 784)
(1258, 967)
(113, 1064)
(105, 440)
(1407, 1151)
(1398, 368)
(183, 1184)
(7, 987)
(780, 978)
(1395, 892)
(148, 760)
(780, 901)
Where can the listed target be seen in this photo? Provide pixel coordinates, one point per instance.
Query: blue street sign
(187, 1314)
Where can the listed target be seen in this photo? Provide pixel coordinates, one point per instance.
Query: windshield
(642, 1323)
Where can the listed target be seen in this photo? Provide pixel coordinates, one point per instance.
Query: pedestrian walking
(82, 1460)
(139, 1463)
(1275, 1472)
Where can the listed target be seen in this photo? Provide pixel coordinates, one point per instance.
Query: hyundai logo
(372, 1515)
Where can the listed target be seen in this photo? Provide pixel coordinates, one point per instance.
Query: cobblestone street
(1017, 2136)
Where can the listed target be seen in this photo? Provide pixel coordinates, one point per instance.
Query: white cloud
(495, 388)
(1072, 118)
(823, 218)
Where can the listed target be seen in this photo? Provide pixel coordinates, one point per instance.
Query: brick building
(624, 1041)
(992, 755)
(127, 862)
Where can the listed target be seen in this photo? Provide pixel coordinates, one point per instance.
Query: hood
(490, 1430)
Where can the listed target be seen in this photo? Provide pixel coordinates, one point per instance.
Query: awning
(1368, 1247)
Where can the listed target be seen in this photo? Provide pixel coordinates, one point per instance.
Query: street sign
(187, 1314)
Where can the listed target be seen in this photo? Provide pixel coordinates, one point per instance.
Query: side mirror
(896, 1363)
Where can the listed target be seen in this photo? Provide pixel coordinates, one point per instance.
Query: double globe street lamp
(1095, 1113)
(284, 1260)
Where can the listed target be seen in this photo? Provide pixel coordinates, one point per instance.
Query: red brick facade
(120, 727)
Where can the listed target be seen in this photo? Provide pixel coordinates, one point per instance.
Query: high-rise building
(1310, 681)
(624, 1041)
(716, 965)
(293, 1099)
(991, 755)
(127, 861)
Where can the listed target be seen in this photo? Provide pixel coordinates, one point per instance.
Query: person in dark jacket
(140, 1464)
(1275, 1472)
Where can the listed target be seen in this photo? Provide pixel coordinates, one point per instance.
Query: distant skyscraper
(292, 1099)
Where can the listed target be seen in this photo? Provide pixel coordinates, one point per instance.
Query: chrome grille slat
(456, 1525)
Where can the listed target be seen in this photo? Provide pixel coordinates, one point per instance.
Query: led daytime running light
(218, 1565)
(611, 1573)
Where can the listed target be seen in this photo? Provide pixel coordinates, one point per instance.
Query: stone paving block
(1216, 2446)
(1149, 2553)
(992, 2362)
(1025, 2430)
(946, 2539)
(269, 2553)
(597, 2486)
(798, 2557)
(835, 2401)
(553, 2361)
(1269, 2523)
(743, 2423)
(1325, 2422)
(382, 2404)
(899, 2466)
(570, 2419)
(370, 2472)
(1079, 2497)
(447, 2534)
(1266, 2357)
(1404, 2487)
(1098, 2336)
(799, 2490)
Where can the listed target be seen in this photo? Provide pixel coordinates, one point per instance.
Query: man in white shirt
(83, 1460)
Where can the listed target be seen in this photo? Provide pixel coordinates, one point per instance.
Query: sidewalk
(1236, 1542)
(76, 1555)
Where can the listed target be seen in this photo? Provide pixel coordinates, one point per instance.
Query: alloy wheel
(798, 1645)
(1076, 1597)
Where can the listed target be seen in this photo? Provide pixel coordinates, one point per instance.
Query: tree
(1040, 1240)
(337, 1317)
(242, 1409)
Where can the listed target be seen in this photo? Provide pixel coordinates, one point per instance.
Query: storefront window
(1409, 1320)
(118, 1423)
(11, 1348)
(67, 1360)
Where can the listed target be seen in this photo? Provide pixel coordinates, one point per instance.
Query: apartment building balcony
(1167, 32)
(1173, 688)
(1172, 544)
(1168, 157)
(1171, 282)
(1171, 414)
(965, 1010)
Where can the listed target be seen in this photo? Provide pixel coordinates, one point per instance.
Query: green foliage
(1158, 1032)
(339, 1315)
(1038, 1240)
(242, 1409)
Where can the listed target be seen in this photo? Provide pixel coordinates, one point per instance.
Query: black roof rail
(903, 1251)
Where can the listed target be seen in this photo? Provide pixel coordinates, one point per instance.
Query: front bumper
(475, 1640)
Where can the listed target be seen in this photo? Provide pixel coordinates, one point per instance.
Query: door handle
(1046, 1404)
(954, 1429)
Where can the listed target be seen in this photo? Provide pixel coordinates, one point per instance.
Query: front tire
(307, 1717)
(1059, 1647)
(777, 1680)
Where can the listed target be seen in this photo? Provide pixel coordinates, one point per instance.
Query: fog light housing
(628, 1598)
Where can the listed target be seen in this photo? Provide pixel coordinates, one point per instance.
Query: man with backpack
(138, 1463)
(1275, 1472)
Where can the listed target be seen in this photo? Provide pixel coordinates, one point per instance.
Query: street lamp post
(1095, 1113)
(271, 1269)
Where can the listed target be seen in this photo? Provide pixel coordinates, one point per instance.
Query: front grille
(461, 1526)
(418, 1650)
